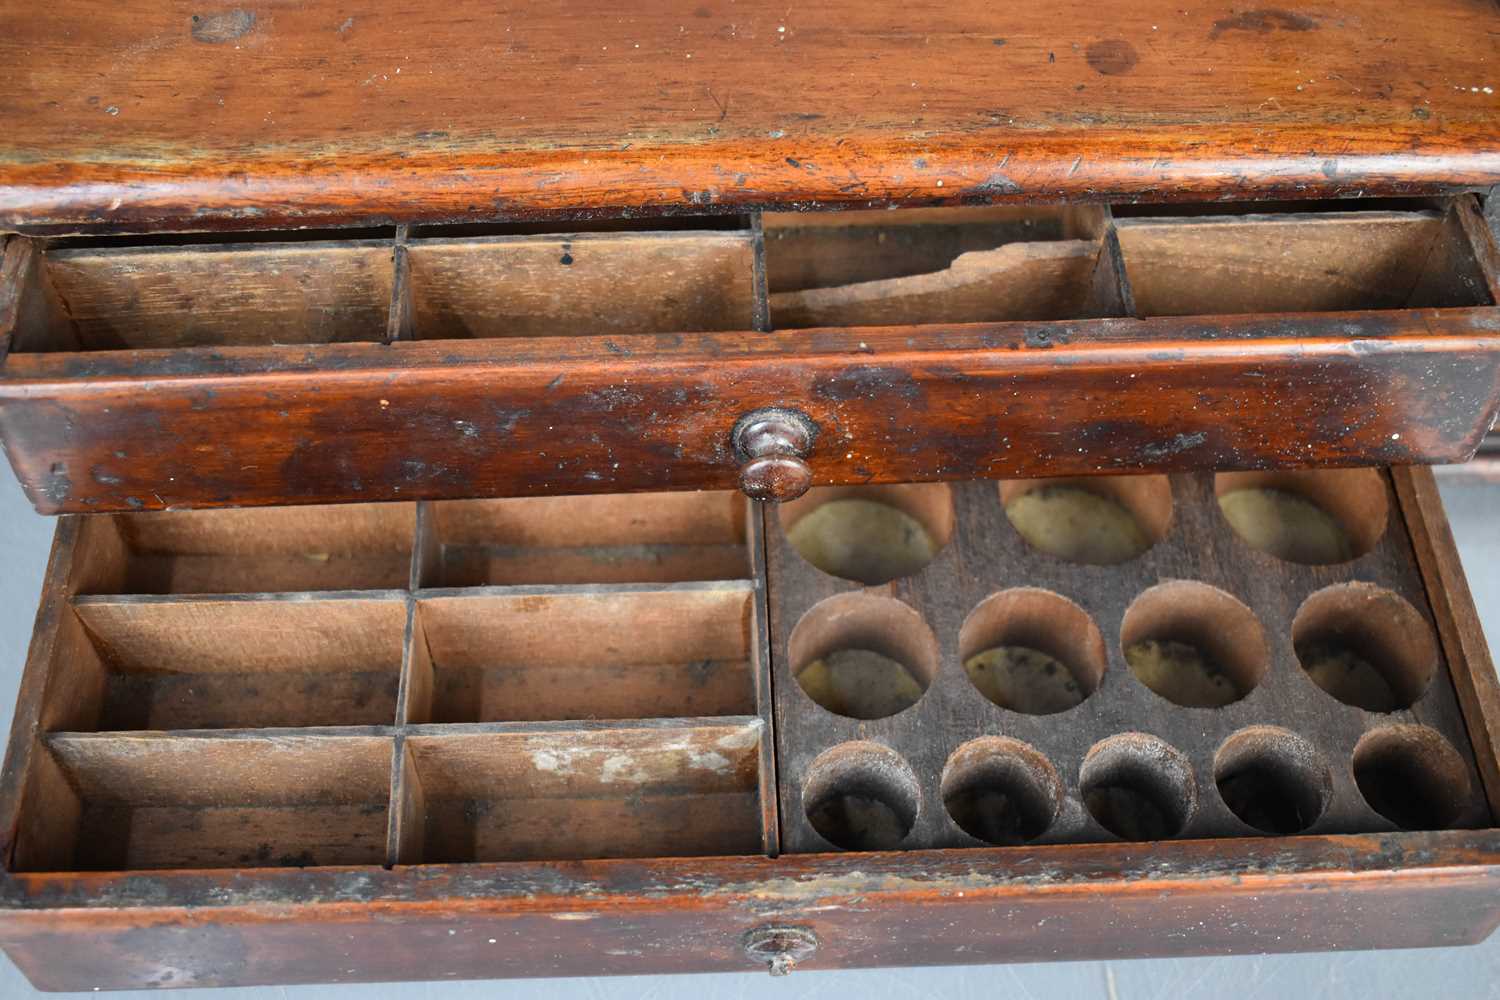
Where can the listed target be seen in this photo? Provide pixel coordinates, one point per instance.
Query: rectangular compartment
(342, 547)
(110, 298)
(1301, 262)
(611, 538)
(555, 653)
(671, 788)
(229, 663)
(236, 801)
(936, 265)
(581, 284)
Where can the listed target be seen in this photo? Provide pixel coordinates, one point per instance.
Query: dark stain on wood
(1263, 22)
(1112, 57)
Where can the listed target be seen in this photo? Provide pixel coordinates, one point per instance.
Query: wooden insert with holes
(1084, 660)
(575, 726)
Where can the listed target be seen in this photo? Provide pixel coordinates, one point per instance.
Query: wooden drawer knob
(771, 445)
(780, 948)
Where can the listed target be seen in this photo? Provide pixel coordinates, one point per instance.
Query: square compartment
(550, 654)
(638, 791)
(123, 803)
(214, 663)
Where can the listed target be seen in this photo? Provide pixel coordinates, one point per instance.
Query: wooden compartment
(614, 538)
(940, 265)
(1301, 262)
(580, 652)
(670, 788)
(938, 343)
(557, 779)
(579, 284)
(236, 800)
(134, 663)
(107, 297)
(345, 547)
(1090, 660)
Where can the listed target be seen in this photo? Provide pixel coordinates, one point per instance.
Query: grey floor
(1454, 974)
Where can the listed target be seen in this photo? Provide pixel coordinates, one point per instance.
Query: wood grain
(159, 297)
(138, 117)
(236, 801)
(346, 547)
(213, 664)
(607, 538)
(1092, 902)
(589, 652)
(1034, 281)
(547, 792)
(540, 416)
(1294, 263)
(585, 284)
(1458, 624)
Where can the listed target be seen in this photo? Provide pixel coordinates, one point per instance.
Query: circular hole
(870, 534)
(863, 656)
(1000, 790)
(1411, 776)
(861, 797)
(1315, 518)
(1101, 520)
(1032, 651)
(1272, 779)
(1193, 644)
(1365, 646)
(1138, 787)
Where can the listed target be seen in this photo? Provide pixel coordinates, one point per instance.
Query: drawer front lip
(494, 921)
(432, 420)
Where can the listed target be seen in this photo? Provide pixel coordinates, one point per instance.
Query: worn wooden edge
(760, 291)
(1458, 625)
(585, 589)
(310, 735)
(284, 597)
(16, 259)
(761, 654)
(1105, 382)
(1180, 163)
(792, 883)
(26, 723)
(1048, 344)
(566, 726)
(228, 248)
(1482, 241)
(399, 324)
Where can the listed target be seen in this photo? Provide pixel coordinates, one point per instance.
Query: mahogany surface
(148, 115)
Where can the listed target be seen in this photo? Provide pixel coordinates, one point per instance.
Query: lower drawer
(977, 722)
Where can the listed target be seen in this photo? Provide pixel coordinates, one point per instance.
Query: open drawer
(884, 725)
(909, 345)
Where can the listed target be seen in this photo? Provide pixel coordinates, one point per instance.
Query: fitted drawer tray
(610, 356)
(905, 724)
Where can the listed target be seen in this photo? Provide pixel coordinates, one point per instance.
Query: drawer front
(908, 346)
(619, 734)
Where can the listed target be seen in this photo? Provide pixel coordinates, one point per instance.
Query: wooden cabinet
(401, 375)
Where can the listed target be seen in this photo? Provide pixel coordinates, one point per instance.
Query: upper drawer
(904, 345)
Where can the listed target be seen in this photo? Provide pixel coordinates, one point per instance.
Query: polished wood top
(142, 114)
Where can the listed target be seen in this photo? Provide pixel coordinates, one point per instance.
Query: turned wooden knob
(771, 445)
